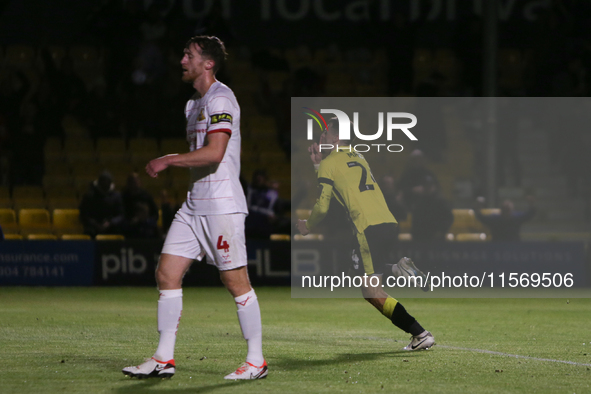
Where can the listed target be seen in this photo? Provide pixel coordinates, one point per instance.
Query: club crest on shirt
(223, 117)
(201, 116)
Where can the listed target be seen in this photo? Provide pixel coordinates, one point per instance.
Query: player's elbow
(216, 158)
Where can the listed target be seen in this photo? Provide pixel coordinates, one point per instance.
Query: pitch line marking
(492, 352)
(513, 355)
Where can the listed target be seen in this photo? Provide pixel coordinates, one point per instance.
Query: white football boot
(152, 368)
(248, 371)
(408, 269)
(420, 342)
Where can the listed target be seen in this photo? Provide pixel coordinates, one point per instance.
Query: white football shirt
(216, 189)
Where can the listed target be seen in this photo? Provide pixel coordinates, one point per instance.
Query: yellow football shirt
(346, 176)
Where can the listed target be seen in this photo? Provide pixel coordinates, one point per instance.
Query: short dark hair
(212, 48)
(333, 124)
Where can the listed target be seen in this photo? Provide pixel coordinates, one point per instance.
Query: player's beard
(189, 76)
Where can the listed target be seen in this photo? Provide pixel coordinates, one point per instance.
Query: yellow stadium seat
(75, 237)
(280, 237)
(33, 221)
(8, 220)
(79, 150)
(309, 237)
(464, 221)
(406, 225)
(13, 237)
(303, 214)
(490, 211)
(110, 145)
(78, 144)
(110, 237)
(470, 237)
(111, 152)
(404, 237)
(67, 221)
(144, 145)
(92, 169)
(41, 237)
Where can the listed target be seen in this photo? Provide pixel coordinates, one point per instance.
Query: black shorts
(376, 247)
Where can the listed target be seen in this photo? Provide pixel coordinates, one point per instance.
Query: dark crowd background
(75, 77)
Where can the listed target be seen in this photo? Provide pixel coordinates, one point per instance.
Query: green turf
(65, 340)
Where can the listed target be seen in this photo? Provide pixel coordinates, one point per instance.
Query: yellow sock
(389, 306)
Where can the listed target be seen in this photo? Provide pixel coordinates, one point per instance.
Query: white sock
(170, 308)
(249, 316)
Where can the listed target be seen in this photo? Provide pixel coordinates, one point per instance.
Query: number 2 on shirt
(362, 185)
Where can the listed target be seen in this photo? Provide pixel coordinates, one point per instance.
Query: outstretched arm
(318, 212)
(210, 154)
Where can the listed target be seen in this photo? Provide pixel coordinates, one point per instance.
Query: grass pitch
(76, 340)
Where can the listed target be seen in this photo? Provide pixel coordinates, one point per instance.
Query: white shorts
(219, 237)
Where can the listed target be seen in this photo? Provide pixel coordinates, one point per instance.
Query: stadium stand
(34, 221)
(110, 237)
(75, 237)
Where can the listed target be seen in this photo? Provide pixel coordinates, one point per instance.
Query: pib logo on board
(345, 129)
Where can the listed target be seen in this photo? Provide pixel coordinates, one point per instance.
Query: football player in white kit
(211, 221)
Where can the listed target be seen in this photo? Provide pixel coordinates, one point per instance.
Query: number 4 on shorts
(223, 244)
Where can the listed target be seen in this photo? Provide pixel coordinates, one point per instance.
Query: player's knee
(165, 280)
(235, 283)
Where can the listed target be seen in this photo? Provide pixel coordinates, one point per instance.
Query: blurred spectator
(261, 200)
(133, 194)
(431, 213)
(141, 225)
(101, 209)
(413, 177)
(393, 198)
(505, 226)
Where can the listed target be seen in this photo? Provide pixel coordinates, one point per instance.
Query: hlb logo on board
(345, 128)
